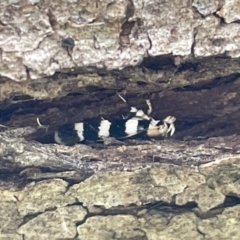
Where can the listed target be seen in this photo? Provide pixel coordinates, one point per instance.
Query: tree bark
(63, 61)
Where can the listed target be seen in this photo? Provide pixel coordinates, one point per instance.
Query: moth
(138, 125)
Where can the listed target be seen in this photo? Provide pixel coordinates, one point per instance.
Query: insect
(138, 125)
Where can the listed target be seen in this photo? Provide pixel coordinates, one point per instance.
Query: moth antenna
(171, 129)
(123, 99)
(40, 125)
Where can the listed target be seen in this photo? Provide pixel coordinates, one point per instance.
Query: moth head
(163, 129)
(157, 130)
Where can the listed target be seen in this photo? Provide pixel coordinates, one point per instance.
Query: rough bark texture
(63, 61)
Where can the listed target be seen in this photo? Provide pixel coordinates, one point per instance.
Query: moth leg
(108, 141)
(149, 106)
(138, 113)
(122, 148)
(170, 120)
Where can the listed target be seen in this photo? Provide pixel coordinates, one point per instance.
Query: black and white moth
(140, 125)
